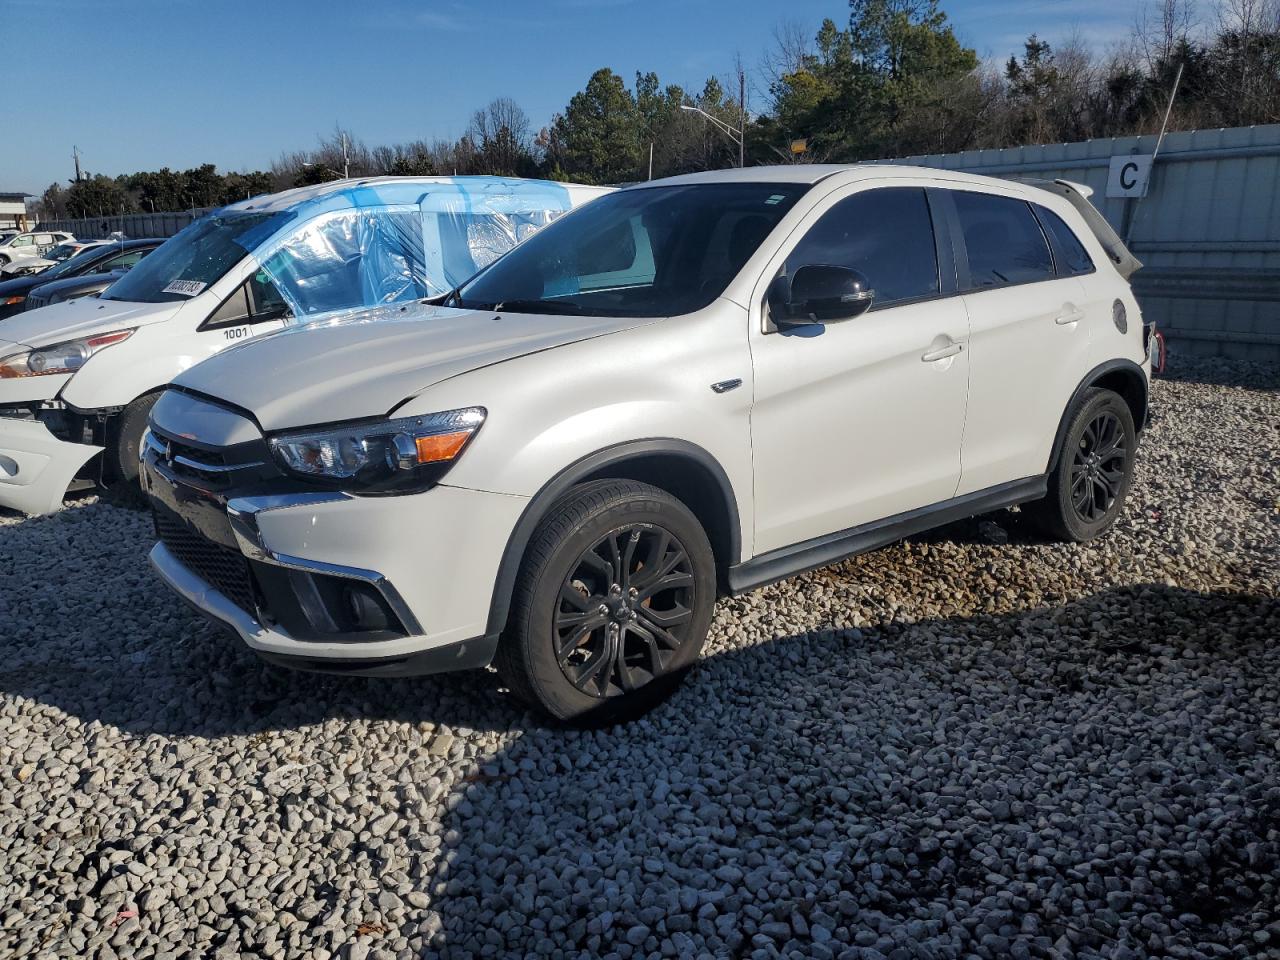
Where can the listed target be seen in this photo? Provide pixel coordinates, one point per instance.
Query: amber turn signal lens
(442, 446)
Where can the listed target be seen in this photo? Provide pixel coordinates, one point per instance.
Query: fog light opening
(366, 607)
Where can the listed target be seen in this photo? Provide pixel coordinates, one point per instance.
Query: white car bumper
(36, 467)
(433, 556)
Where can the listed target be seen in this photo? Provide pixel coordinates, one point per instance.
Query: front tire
(612, 604)
(1087, 488)
(124, 443)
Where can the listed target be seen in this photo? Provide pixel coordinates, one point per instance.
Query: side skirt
(821, 551)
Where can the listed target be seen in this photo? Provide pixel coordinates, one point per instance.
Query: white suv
(685, 389)
(31, 244)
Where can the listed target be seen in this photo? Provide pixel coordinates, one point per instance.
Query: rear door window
(886, 234)
(1073, 259)
(1003, 239)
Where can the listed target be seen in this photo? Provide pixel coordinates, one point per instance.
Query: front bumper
(36, 468)
(275, 646)
(284, 565)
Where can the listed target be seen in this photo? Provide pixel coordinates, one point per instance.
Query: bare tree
(790, 49)
(501, 133)
(1163, 27)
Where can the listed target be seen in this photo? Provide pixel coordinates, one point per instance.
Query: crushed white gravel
(974, 744)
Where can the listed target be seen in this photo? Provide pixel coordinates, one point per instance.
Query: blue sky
(141, 84)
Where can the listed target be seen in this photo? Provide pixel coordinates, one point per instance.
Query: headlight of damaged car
(380, 456)
(66, 357)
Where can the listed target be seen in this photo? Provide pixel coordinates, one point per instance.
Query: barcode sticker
(188, 288)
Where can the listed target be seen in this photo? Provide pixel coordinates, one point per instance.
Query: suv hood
(370, 364)
(73, 319)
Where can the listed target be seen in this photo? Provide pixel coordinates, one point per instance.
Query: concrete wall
(1208, 229)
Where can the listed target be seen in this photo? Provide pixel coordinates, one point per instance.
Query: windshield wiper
(536, 306)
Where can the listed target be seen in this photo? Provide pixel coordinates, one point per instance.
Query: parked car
(100, 260)
(688, 388)
(77, 379)
(26, 266)
(31, 244)
(73, 288)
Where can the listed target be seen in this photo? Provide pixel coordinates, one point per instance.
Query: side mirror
(820, 293)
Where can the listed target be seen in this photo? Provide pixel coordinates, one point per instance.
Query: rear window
(1003, 239)
(1073, 258)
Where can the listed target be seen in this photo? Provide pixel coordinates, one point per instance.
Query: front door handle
(1070, 314)
(941, 353)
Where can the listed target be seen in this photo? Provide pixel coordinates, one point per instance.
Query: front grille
(227, 571)
(214, 470)
(34, 303)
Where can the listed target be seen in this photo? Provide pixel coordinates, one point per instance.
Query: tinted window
(886, 234)
(1073, 257)
(644, 252)
(121, 261)
(1005, 243)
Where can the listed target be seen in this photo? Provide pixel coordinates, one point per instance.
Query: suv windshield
(187, 264)
(644, 252)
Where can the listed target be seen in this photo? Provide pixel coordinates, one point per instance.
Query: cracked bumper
(36, 467)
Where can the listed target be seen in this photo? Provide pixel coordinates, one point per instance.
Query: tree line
(893, 80)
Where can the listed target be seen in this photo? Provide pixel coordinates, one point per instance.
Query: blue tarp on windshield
(358, 245)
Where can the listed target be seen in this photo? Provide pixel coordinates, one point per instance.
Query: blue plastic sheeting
(388, 241)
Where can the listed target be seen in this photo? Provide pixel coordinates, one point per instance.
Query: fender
(557, 486)
(1092, 377)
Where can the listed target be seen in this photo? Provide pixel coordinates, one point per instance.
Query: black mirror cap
(822, 293)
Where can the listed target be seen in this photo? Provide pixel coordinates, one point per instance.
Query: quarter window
(1073, 258)
(1003, 239)
(886, 234)
(255, 301)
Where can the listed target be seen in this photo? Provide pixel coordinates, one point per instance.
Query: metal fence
(1208, 228)
(133, 225)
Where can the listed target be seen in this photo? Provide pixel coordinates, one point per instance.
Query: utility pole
(346, 166)
(650, 159)
(742, 116)
(735, 136)
(75, 155)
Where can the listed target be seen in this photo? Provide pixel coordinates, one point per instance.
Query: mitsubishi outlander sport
(685, 389)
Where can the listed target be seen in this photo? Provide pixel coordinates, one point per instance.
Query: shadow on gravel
(1093, 777)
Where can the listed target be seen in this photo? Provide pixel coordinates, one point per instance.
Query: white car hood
(369, 365)
(73, 319)
(26, 263)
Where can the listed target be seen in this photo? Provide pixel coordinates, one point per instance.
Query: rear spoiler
(1078, 194)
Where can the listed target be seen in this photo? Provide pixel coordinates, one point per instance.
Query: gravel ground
(973, 744)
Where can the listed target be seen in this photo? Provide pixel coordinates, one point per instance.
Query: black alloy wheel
(611, 606)
(624, 610)
(1091, 475)
(1098, 468)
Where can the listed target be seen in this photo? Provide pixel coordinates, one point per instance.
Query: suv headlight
(380, 456)
(66, 357)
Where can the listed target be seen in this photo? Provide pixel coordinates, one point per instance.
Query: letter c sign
(1129, 176)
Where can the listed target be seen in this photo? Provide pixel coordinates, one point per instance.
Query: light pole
(737, 136)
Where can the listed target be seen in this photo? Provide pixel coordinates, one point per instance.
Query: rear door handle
(941, 353)
(1068, 315)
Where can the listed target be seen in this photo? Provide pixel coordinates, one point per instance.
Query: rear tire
(124, 443)
(611, 606)
(1094, 471)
